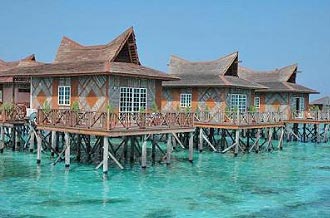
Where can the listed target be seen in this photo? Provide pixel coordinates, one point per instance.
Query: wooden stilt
(318, 133)
(256, 143)
(200, 143)
(236, 142)
(13, 138)
(17, 139)
(178, 140)
(169, 149)
(39, 149)
(79, 148)
(280, 142)
(67, 150)
(153, 149)
(269, 142)
(191, 146)
(32, 137)
(132, 144)
(208, 142)
(144, 154)
(2, 139)
(53, 143)
(105, 154)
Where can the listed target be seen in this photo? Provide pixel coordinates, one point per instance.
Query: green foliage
(252, 109)
(187, 109)
(142, 110)
(178, 108)
(7, 106)
(314, 108)
(197, 111)
(110, 108)
(46, 107)
(207, 109)
(154, 107)
(75, 106)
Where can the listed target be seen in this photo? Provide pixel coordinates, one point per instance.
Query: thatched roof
(119, 57)
(221, 72)
(278, 80)
(321, 101)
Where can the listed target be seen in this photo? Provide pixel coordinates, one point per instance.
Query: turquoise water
(294, 182)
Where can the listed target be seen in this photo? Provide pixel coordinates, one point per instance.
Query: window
(185, 100)
(64, 95)
(132, 99)
(257, 103)
(238, 101)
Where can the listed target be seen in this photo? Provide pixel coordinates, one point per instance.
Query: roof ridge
(201, 62)
(230, 63)
(72, 41)
(127, 33)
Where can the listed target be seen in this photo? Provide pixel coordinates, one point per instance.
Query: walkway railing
(12, 113)
(311, 115)
(110, 121)
(239, 118)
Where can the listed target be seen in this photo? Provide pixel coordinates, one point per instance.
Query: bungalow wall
(17, 94)
(93, 93)
(213, 98)
(283, 102)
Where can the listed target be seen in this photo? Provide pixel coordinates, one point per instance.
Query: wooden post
(318, 133)
(280, 143)
(39, 141)
(200, 144)
(13, 137)
(67, 150)
(2, 140)
(191, 146)
(32, 137)
(144, 154)
(153, 149)
(105, 154)
(169, 149)
(53, 143)
(17, 141)
(236, 141)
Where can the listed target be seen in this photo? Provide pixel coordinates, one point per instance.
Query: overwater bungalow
(15, 90)
(282, 94)
(207, 86)
(100, 90)
(322, 104)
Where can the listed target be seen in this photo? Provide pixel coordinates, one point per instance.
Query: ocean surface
(294, 182)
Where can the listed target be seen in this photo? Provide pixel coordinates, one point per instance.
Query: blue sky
(267, 34)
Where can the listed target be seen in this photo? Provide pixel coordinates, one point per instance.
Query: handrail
(110, 121)
(239, 118)
(13, 113)
(311, 115)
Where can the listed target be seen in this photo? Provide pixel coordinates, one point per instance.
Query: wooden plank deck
(116, 132)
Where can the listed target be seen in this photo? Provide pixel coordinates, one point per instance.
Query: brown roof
(321, 101)
(280, 75)
(278, 80)
(89, 68)
(7, 69)
(210, 73)
(119, 57)
(71, 51)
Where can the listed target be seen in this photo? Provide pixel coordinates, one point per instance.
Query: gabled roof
(279, 75)
(90, 68)
(322, 101)
(180, 66)
(71, 51)
(278, 80)
(221, 72)
(6, 68)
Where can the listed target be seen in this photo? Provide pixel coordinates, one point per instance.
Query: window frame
(238, 98)
(132, 100)
(185, 100)
(64, 96)
(257, 106)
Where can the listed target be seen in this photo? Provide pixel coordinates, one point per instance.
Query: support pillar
(144, 154)
(200, 143)
(32, 137)
(191, 146)
(39, 141)
(105, 154)
(236, 141)
(67, 150)
(169, 149)
(2, 140)
(53, 143)
(17, 139)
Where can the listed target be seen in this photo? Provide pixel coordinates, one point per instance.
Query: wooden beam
(2, 139)
(178, 140)
(105, 154)
(191, 147)
(67, 150)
